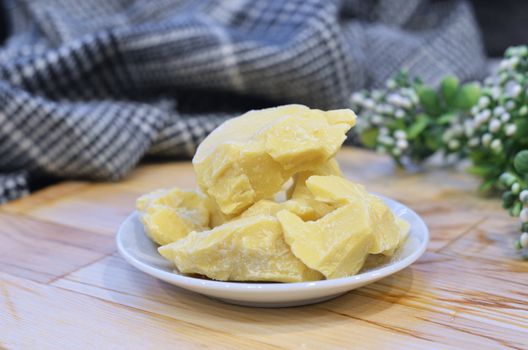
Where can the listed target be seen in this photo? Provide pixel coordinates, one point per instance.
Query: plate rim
(249, 287)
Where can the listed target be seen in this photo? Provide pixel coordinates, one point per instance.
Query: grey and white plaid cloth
(89, 88)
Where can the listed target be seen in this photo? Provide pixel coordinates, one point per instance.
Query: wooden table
(62, 284)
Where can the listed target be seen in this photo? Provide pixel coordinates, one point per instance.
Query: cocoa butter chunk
(335, 245)
(247, 249)
(249, 158)
(339, 191)
(169, 215)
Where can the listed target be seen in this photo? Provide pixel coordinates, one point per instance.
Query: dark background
(503, 23)
(3, 22)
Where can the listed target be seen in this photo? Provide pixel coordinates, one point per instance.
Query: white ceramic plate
(139, 251)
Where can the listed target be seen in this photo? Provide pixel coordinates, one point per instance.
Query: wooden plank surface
(63, 285)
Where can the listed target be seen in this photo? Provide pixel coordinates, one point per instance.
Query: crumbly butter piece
(404, 228)
(269, 207)
(386, 230)
(335, 245)
(250, 157)
(247, 249)
(339, 191)
(301, 194)
(216, 216)
(169, 215)
(302, 141)
(335, 189)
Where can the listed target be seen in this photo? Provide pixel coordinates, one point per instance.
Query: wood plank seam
(400, 330)
(465, 232)
(501, 342)
(95, 286)
(51, 223)
(483, 273)
(417, 304)
(79, 268)
(25, 268)
(153, 314)
(29, 216)
(118, 292)
(410, 305)
(316, 308)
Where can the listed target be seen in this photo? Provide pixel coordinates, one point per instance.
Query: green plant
(487, 124)
(410, 120)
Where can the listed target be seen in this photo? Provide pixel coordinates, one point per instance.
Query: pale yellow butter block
(340, 116)
(268, 207)
(300, 193)
(384, 226)
(335, 245)
(404, 228)
(330, 167)
(335, 189)
(247, 249)
(339, 191)
(169, 215)
(251, 157)
(302, 141)
(216, 216)
(238, 176)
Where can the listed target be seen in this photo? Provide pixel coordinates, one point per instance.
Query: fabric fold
(87, 89)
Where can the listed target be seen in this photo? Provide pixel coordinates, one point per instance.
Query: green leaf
(478, 156)
(487, 185)
(433, 143)
(369, 138)
(467, 96)
(521, 162)
(429, 100)
(402, 78)
(419, 125)
(449, 88)
(516, 209)
(397, 124)
(508, 198)
(480, 170)
(522, 126)
(446, 118)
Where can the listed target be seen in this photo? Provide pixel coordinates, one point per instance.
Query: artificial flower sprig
(410, 120)
(514, 182)
(488, 124)
(496, 134)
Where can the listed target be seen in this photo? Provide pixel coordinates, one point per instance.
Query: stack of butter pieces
(272, 203)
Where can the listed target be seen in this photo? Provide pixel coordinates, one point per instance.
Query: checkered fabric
(89, 88)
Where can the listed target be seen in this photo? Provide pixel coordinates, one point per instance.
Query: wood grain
(36, 316)
(64, 286)
(42, 252)
(155, 296)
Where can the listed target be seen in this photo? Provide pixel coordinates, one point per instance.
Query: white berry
(524, 240)
(453, 144)
(523, 196)
(494, 125)
(510, 129)
(524, 215)
(496, 145)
